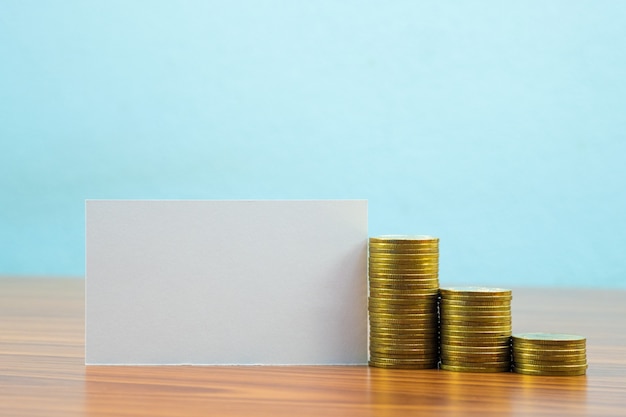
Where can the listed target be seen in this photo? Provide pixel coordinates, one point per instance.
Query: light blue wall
(498, 126)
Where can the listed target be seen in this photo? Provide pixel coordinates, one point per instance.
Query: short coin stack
(404, 281)
(475, 325)
(549, 354)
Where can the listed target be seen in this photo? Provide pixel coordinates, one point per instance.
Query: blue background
(497, 126)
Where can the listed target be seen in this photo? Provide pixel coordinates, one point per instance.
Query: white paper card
(226, 282)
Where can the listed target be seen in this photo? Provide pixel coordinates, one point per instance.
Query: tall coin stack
(549, 354)
(475, 329)
(403, 281)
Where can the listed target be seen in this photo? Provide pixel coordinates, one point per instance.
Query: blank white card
(226, 282)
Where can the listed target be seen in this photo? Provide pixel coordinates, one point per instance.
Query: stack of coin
(475, 329)
(404, 282)
(549, 354)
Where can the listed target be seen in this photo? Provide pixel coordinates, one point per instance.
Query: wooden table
(42, 370)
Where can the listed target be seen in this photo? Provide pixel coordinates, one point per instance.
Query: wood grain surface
(42, 370)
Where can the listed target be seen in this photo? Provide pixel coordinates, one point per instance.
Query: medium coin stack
(549, 354)
(475, 329)
(404, 282)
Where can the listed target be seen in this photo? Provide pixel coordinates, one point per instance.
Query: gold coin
(468, 308)
(392, 250)
(404, 257)
(388, 270)
(403, 272)
(501, 333)
(476, 357)
(376, 364)
(474, 330)
(469, 339)
(399, 360)
(399, 330)
(425, 345)
(405, 355)
(374, 318)
(487, 364)
(376, 264)
(376, 286)
(404, 276)
(475, 316)
(402, 328)
(420, 321)
(420, 316)
(426, 311)
(474, 350)
(398, 353)
(406, 280)
(417, 302)
(403, 239)
(474, 368)
(394, 298)
(524, 362)
(404, 262)
(418, 296)
(540, 356)
(471, 322)
(403, 252)
(401, 353)
(396, 264)
(402, 361)
(473, 343)
(475, 313)
(478, 310)
(396, 294)
(475, 291)
(476, 298)
(423, 297)
(388, 291)
(546, 349)
(477, 307)
(476, 303)
(399, 291)
(397, 303)
(413, 306)
(404, 339)
(403, 279)
(399, 249)
(474, 321)
(380, 280)
(425, 359)
(390, 286)
(547, 340)
(549, 373)
(471, 357)
(404, 343)
(426, 350)
(399, 334)
(558, 367)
